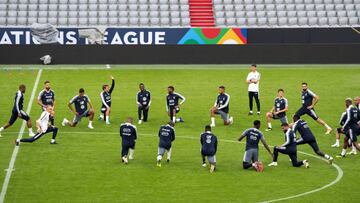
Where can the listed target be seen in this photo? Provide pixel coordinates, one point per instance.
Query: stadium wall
(266, 46)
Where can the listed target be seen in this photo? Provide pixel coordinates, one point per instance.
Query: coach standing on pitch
(253, 80)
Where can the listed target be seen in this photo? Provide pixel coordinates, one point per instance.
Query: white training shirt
(44, 121)
(252, 86)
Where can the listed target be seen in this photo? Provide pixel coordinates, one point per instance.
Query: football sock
(327, 126)
(101, 116)
(1, 129)
(353, 148)
(269, 125)
(213, 120)
(343, 152)
(90, 122)
(107, 118)
(173, 119)
(131, 153)
(337, 142)
(169, 154)
(30, 130)
(159, 157)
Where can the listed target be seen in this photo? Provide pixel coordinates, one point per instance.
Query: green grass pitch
(85, 166)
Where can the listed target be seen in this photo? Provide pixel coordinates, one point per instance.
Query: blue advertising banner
(135, 36)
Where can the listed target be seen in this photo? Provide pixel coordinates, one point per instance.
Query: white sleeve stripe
(287, 139)
(103, 100)
(182, 98)
(136, 98)
(311, 93)
(226, 103)
(72, 100)
(40, 94)
(18, 96)
(286, 102)
(348, 117)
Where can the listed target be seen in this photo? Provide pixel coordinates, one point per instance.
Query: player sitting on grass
(81, 103)
(307, 137)
(43, 127)
(143, 100)
(105, 96)
(289, 148)
(18, 112)
(208, 143)
(253, 136)
(278, 111)
(309, 100)
(350, 127)
(128, 135)
(166, 137)
(173, 105)
(221, 107)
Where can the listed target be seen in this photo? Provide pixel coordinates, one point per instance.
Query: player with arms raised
(105, 96)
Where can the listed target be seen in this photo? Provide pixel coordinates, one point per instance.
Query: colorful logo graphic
(214, 36)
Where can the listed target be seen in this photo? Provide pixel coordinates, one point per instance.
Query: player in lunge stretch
(83, 108)
(278, 111)
(208, 150)
(289, 148)
(309, 100)
(105, 97)
(18, 112)
(173, 105)
(221, 107)
(128, 135)
(43, 127)
(253, 136)
(143, 100)
(307, 137)
(166, 137)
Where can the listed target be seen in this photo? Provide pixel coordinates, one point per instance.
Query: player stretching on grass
(173, 105)
(105, 96)
(166, 137)
(221, 107)
(47, 98)
(128, 135)
(278, 111)
(143, 100)
(208, 148)
(307, 137)
(43, 127)
(289, 148)
(309, 100)
(18, 112)
(253, 136)
(339, 130)
(350, 127)
(81, 103)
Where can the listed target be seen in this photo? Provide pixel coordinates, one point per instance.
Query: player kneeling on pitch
(351, 126)
(307, 137)
(166, 137)
(43, 127)
(289, 148)
(253, 136)
(221, 107)
(105, 96)
(129, 135)
(81, 103)
(279, 110)
(208, 148)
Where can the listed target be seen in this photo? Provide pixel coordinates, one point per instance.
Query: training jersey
(222, 102)
(18, 102)
(280, 104)
(172, 100)
(143, 98)
(303, 128)
(307, 98)
(166, 136)
(44, 121)
(106, 96)
(128, 133)
(253, 87)
(81, 103)
(208, 143)
(352, 117)
(290, 139)
(253, 136)
(47, 97)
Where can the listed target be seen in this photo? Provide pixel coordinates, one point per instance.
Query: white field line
(16, 148)
(338, 169)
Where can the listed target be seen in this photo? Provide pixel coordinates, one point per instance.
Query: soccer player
(339, 131)
(173, 105)
(253, 80)
(128, 135)
(43, 127)
(309, 100)
(143, 100)
(166, 137)
(307, 137)
(47, 98)
(81, 103)
(253, 136)
(18, 112)
(351, 126)
(105, 96)
(208, 143)
(289, 148)
(357, 102)
(279, 110)
(221, 107)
